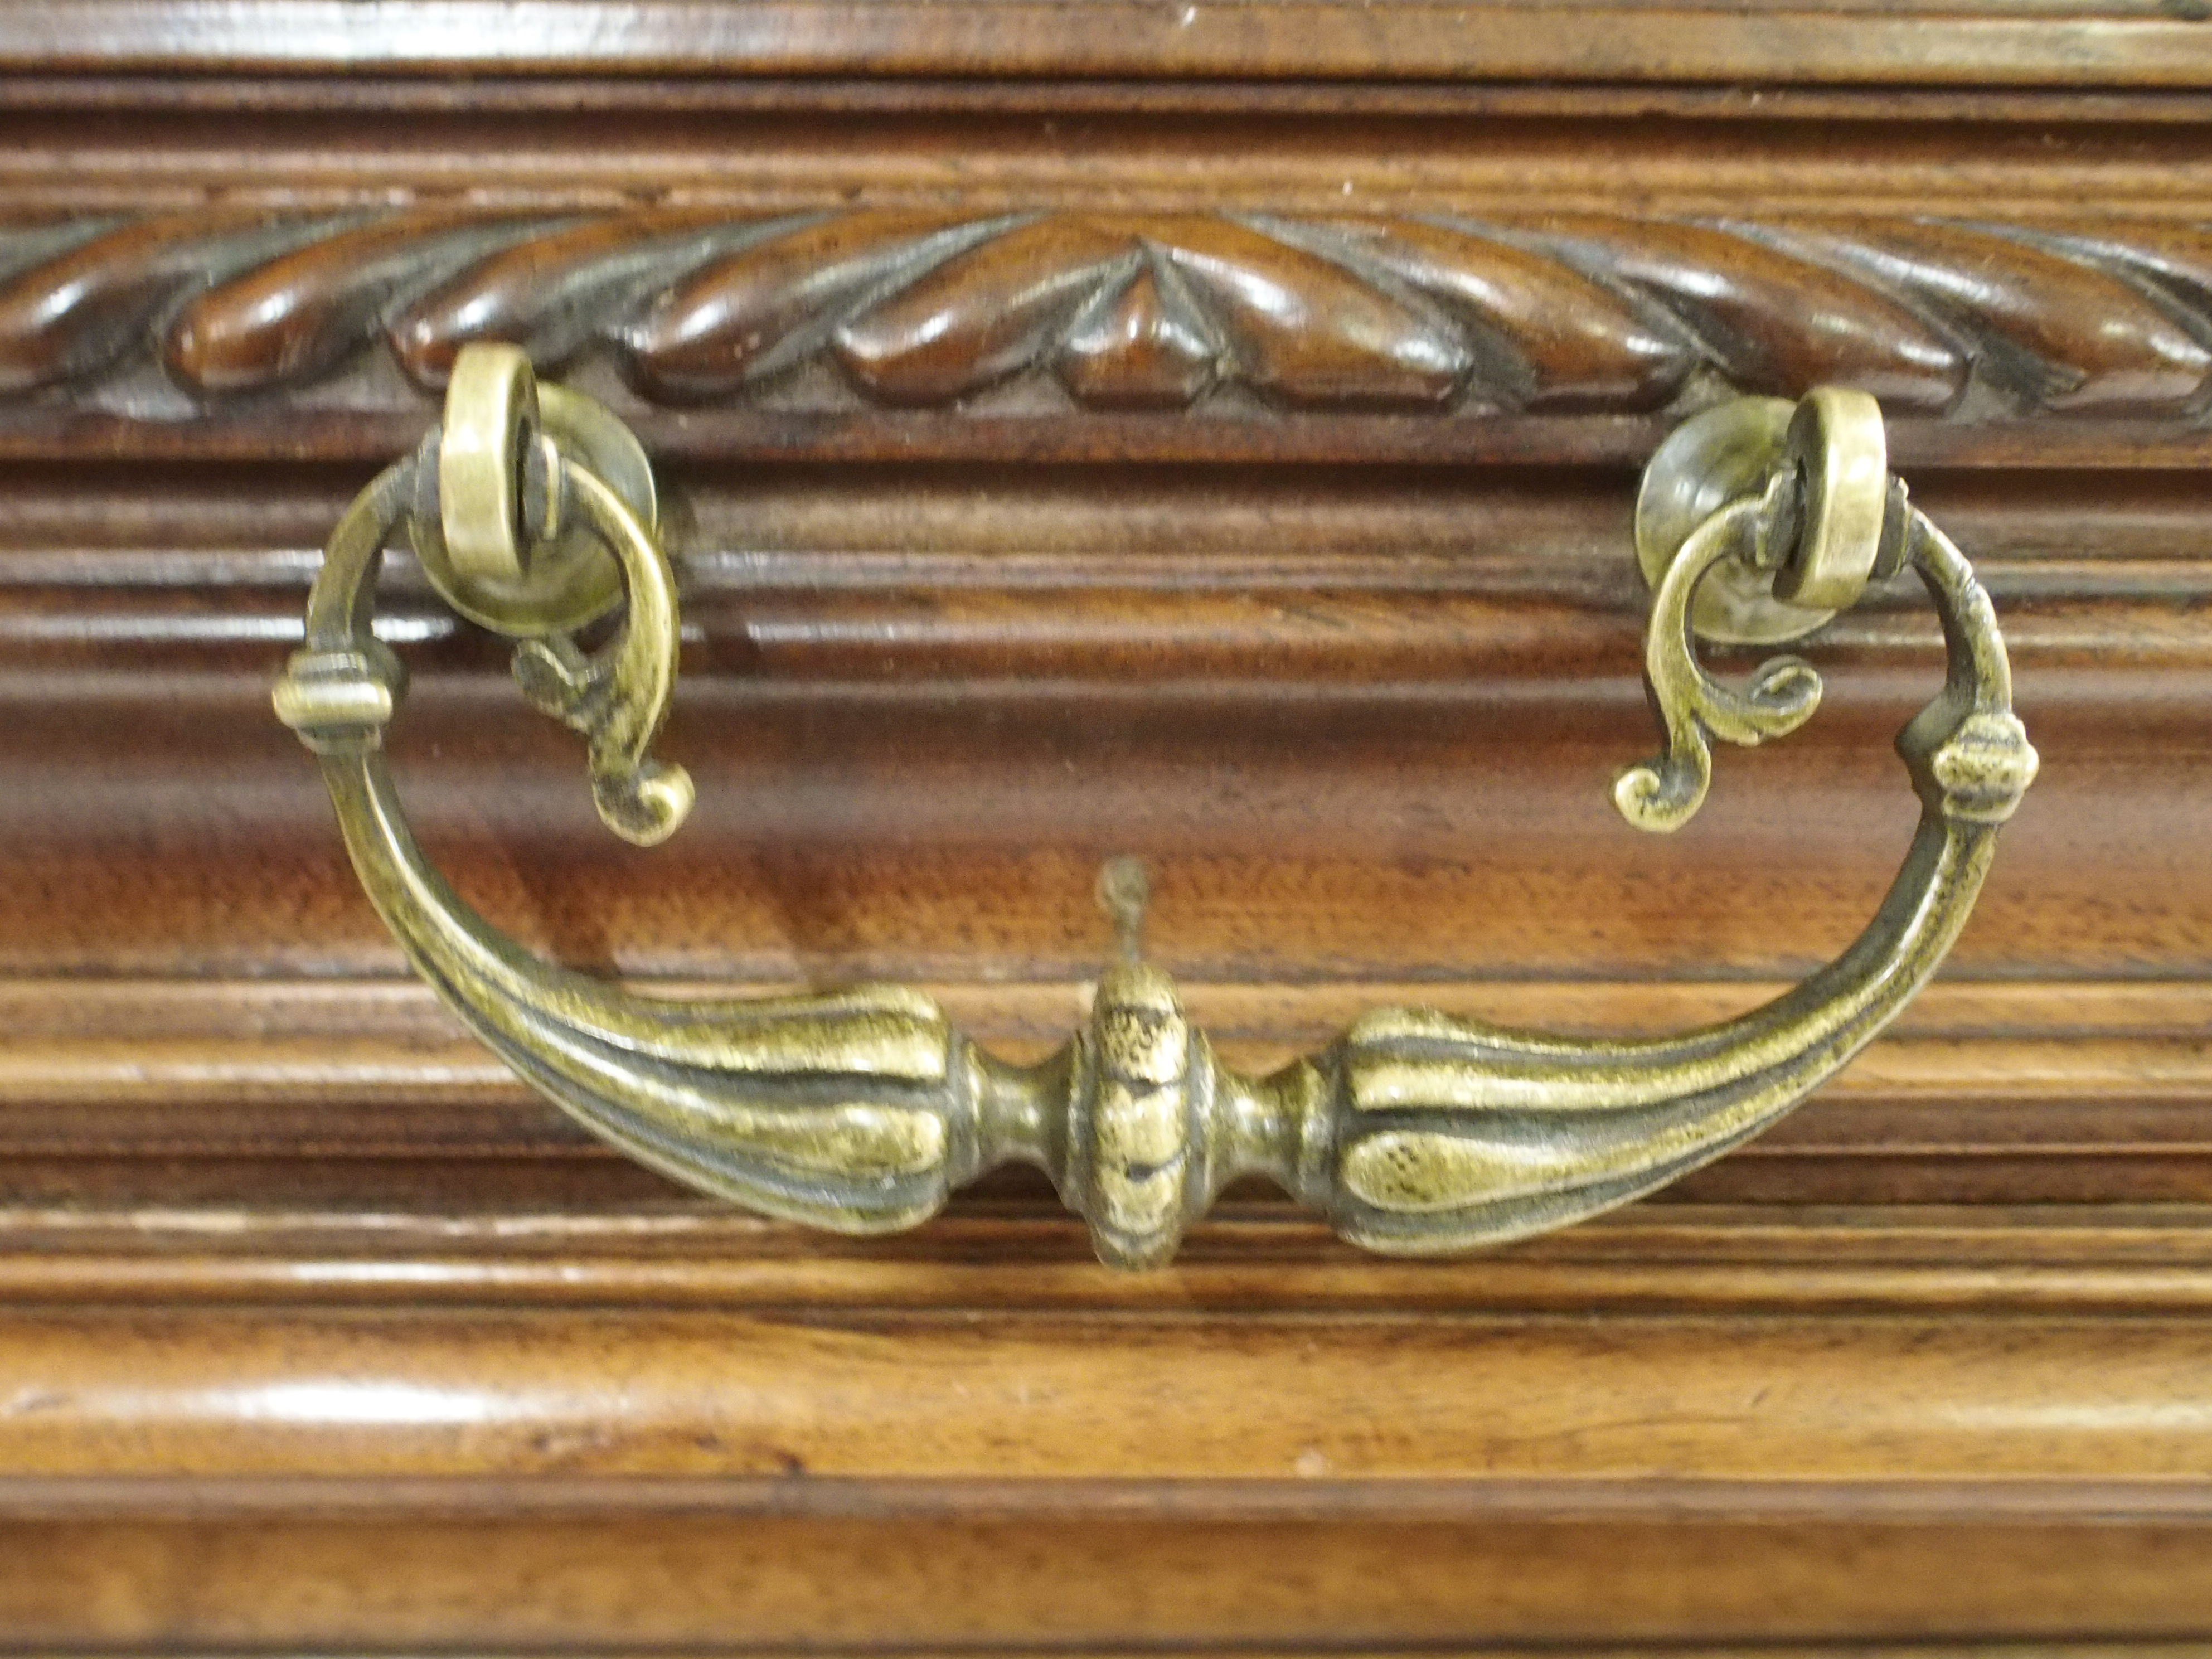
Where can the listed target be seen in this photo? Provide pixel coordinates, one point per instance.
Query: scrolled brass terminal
(1415, 1133)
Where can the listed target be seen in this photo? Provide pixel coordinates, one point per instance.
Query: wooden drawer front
(1207, 433)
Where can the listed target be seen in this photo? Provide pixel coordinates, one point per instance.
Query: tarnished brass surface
(492, 421)
(1705, 463)
(862, 1109)
(572, 579)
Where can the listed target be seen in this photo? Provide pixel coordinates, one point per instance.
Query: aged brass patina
(862, 1109)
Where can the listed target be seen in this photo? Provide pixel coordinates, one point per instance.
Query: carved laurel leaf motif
(299, 318)
(2059, 331)
(2173, 262)
(1769, 321)
(989, 311)
(81, 297)
(1546, 336)
(915, 309)
(550, 293)
(1145, 344)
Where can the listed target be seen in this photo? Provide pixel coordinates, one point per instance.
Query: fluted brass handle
(862, 1109)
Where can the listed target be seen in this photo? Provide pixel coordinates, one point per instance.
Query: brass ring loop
(1839, 458)
(491, 419)
(568, 579)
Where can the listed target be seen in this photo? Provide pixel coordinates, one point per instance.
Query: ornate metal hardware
(860, 1111)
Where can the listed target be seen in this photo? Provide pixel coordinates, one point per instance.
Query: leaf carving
(985, 313)
(752, 314)
(81, 301)
(1769, 320)
(1556, 339)
(1294, 325)
(1142, 345)
(300, 315)
(2173, 263)
(549, 293)
(2060, 332)
(1308, 330)
(836, 312)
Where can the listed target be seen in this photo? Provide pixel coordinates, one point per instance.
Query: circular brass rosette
(862, 1109)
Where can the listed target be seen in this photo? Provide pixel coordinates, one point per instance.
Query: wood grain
(1671, 1260)
(1032, 317)
(1206, 431)
(627, 1585)
(923, 705)
(507, 1393)
(105, 1087)
(1989, 42)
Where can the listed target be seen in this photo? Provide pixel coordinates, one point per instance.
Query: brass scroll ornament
(532, 511)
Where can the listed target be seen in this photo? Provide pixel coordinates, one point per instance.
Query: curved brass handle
(862, 1109)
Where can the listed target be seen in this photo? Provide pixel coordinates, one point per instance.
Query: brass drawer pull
(862, 1109)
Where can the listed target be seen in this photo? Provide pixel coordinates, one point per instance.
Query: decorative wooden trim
(1981, 42)
(502, 1392)
(2106, 1099)
(204, 319)
(1660, 1259)
(301, 1582)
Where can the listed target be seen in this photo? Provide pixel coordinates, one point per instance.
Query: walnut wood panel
(1201, 431)
(923, 704)
(811, 883)
(610, 148)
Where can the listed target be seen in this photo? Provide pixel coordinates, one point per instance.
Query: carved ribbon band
(862, 1109)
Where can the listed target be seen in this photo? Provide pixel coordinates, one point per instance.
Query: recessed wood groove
(1243, 1501)
(2111, 1262)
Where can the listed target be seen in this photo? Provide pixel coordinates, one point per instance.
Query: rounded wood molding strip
(2134, 43)
(305, 1581)
(170, 1099)
(1672, 1259)
(1843, 1399)
(1064, 331)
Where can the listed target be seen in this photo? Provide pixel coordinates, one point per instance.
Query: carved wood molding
(107, 1081)
(1964, 42)
(192, 320)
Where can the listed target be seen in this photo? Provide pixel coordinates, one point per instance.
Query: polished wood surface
(621, 1584)
(1138, 310)
(2006, 42)
(1205, 433)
